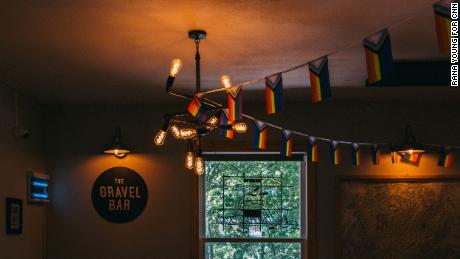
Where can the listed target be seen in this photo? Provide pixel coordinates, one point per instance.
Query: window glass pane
(252, 199)
(253, 250)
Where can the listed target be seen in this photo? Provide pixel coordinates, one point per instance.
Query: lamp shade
(117, 148)
(409, 143)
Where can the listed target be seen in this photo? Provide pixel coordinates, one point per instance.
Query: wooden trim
(201, 220)
(220, 145)
(380, 178)
(312, 172)
(253, 240)
(195, 248)
(252, 156)
(304, 203)
(397, 178)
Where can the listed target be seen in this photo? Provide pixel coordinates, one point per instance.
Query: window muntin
(253, 199)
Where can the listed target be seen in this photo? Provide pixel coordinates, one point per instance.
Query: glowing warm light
(411, 151)
(226, 81)
(199, 165)
(189, 160)
(240, 127)
(213, 121)
(175, 132)
(159, 139)
(187, 133)
(176, 65)
(119, 153)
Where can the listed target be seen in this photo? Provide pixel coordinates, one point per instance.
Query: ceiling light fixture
(225, 81)
(176, 132)
(189, 157)
(194, 128)
(176, 65)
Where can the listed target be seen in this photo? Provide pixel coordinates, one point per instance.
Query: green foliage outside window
(253, 250)
(252, 199)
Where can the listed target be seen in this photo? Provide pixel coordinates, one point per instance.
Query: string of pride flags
(378, 54)
(379, 64)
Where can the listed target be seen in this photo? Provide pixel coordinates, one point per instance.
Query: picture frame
(369, 208)
(37, 188)
(14, 216)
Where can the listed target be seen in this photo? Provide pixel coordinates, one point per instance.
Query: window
(253, 206)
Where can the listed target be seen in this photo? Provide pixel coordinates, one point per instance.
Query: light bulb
(176, 65)
(226, 81)
(213, 121)
(240, 127)
(159, 139)
(175, 132)
(187, 133)
(199, 165)
(189, 160)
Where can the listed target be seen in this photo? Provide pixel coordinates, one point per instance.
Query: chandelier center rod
(197, 36)
(197, 67)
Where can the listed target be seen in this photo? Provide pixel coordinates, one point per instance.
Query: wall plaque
(119, 195)
(13, 216)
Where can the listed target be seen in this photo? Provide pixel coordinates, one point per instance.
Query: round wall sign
(119, 195)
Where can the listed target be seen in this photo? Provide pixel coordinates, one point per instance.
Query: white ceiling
(119, 51)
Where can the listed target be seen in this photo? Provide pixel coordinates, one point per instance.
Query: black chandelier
(185, 126)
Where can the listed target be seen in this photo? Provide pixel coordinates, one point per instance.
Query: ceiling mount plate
(197, 35)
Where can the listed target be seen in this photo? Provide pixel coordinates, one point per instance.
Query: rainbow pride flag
(379, 58)
(260, 134)
(394, 156)
(355, 154)
(446, 158)
(442, 21)
(375, 154)
(286, 143)
(312, 149)
(196, 108)
(235, 103)
(319, 79)
(274, 94)
(413, 158)
(334, 153)
(224, 121)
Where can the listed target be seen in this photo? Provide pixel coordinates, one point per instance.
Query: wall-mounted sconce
(409, 144)
(117, 148)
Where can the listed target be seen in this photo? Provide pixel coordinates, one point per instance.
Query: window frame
(255, 156)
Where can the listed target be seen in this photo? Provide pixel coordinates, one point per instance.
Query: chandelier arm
(182, 95)
(194, 122)
(215, 104)
(173, 116)
(207, 101)
(176, 114)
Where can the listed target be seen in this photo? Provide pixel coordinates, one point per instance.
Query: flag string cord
(254, 81)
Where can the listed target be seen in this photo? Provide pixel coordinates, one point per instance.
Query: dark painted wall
(77, 134)
(20, 156)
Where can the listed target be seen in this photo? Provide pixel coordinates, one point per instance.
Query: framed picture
(37, 188)
(13, 216)
(382, 217)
